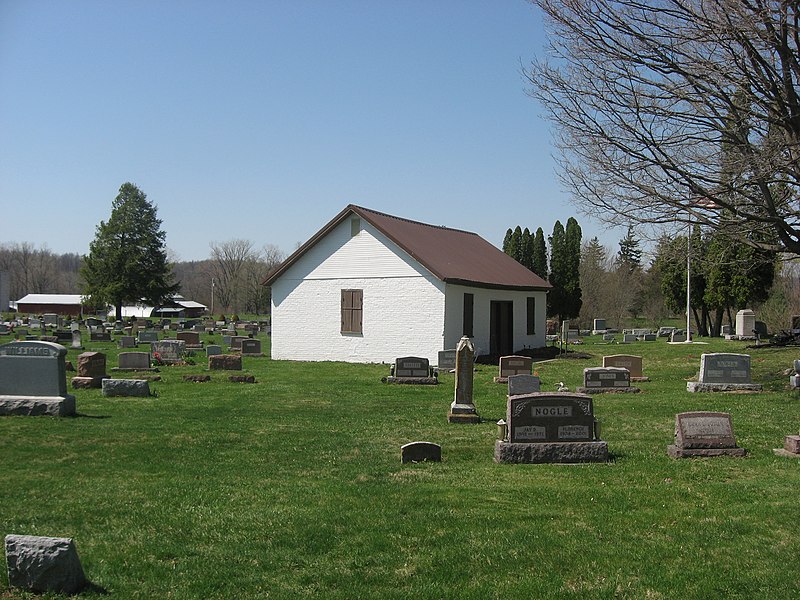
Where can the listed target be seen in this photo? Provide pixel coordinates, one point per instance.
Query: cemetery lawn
(293, 488)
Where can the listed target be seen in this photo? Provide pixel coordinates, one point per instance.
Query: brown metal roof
(451, 255)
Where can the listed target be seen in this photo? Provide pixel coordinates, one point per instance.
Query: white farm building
(370, 287)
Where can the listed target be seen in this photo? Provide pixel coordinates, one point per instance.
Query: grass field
(293, 488)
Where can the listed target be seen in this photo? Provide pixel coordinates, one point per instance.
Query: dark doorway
(501, 328)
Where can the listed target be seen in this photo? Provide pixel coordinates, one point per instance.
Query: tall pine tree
(540, 255)
(127, 261)
(572, 280)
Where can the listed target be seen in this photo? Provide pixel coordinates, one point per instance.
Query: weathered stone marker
(33, 379)
(704, 434)
(462, 409)
(420, 452)
(169, 351)
(225, 362)
(446, 360)
(44, 564)
(523, 384)
(126, 388)
(547, 427)
(251, 347)
(626, 361)
(598, 380)
(91, 370)
(723, 372)
(412, 370)
(513, 365)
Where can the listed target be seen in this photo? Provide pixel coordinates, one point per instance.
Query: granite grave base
(411, 380)
(33, 406)
(696, 386)
(674, 451)
(82, 383)
(621, 390)
(463, 418)
(551, 452)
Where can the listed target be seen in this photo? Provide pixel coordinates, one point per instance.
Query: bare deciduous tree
(670, 110)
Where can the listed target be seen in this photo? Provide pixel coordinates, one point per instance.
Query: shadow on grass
(85, 416)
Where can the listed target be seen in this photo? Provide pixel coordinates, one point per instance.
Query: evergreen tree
(629, 256)
(556, 302)
(572, 276)
(127, 261)
(527, 250)
(515, 247)
(507, 241)
(539, 257)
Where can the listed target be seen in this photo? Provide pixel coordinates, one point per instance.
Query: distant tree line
(589, 281)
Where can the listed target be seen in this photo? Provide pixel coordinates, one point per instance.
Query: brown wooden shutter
(352, 311)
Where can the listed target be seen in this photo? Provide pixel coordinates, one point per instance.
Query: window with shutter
(352, 311)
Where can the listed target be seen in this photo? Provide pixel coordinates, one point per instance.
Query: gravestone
(134, 361)
(523, 384)
(236, 341)
(63, 337)
(724, 372)
(794, 379)
(169, 352)
(4, 329)
(91, 370)
(704, 434)
(251, 347)
(446, 360)
(136, 388)
(212, 350)
(760, 329)
(226, 339)
(598, 380)
(598, 326)
(745, 324)
(678, 336)
(791, 447)
(190, 338)
(417, 452)
(513, 365)
(609, 337)
(548, 427)
(34, 323)
(225, 362)
(44, 564)
(127, 341)
(146, 337)
(648, 337)
(33, 379)
(629, 337)
(626, 361)
(665, 331)
(726, 330)
(462, 409)
(76, 340)
(412, 370)
(100, 336)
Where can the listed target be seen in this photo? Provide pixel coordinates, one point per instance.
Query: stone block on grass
(225, 362)
(139, 388)
(44, 564)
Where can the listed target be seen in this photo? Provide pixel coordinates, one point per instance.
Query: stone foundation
(551, 452)
(696, 386)
(33, 406)
(676, 452)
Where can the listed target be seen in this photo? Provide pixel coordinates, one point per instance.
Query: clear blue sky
(261, 120)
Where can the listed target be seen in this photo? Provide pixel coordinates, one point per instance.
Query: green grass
(293, 488)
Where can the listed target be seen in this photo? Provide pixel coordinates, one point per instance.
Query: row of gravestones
(33, 375)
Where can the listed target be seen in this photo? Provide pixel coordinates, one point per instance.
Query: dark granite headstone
(251, 347)
(411, 366)
(420, 452)
(523, 384)
(606, 378)
(446, 360)
(169, 351)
